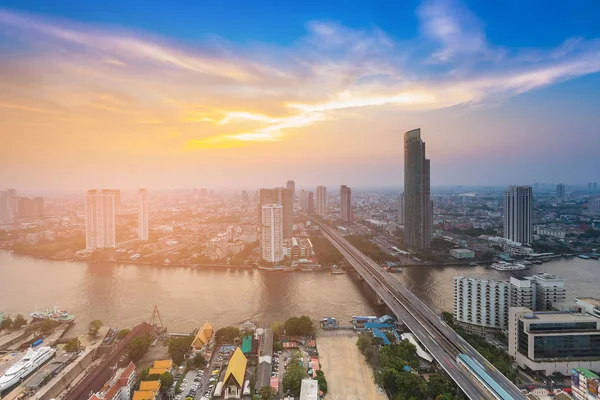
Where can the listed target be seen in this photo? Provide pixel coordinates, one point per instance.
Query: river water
(124, 295)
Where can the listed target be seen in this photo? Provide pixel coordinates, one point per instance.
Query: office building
(143, 214)
(400, 216)
(100, 219)
(346, 214)
(245, 197)
(291, 186)
(594, 206)
(418, 207)
(31, 208)
(281, 196)
(321, 200)
(117, 194)
(551, 341)
(518, 214)
(307, 202)
(540, 292)
(560, 191)
(272, 233)
(9, 206)
(481, 305)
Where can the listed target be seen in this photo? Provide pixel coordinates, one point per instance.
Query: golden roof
(150, 385)
(203, 336)
(163, 364)
(144, 395)
(236, 367)
(157, 371)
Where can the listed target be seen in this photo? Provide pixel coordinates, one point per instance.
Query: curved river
(124, 295)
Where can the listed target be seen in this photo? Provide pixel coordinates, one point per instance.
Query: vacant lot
(347, 373)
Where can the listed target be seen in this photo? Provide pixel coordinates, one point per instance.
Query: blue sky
(254, 89)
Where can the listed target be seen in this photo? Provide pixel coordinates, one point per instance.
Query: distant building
(31, 208)
(594, 206)
(9, 206)
(346, 214)
(203, 337)
(560, 191)
(119, 386)
(518, 214)
(552, 232)
(233, 382)
(296, 248)
(309, 390)
(321, 200)
(291, 186)
(280, 196)
(272, 233)
(481, 305)
(400, 217)
(245, 197)
(117, 194)
(551, 342)
(307, 202)
(418, 207)
(143, 214)
(100, 219)
(462, 253)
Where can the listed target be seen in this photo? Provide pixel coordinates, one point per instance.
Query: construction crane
(155, 320)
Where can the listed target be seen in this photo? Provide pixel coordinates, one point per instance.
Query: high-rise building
(281, 196)
(272, 232)
(143, 214)
(291, 187)
(245, 197)
(401, 209)
(594, 206)
(100, 219)
(418, 207)
(539, 292)
(117, 194)
(346, 204)
(480, 305)
(3, 208)
(31, 208)
(311, 202)
(518, 214)
(321, 200)
(307, 201)
(9, 206)
(560, 191)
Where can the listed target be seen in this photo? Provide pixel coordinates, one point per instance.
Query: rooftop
(587, 373)
(309, 389)
(591, 300)
(150, 385)
(559, 316)
(236, 367)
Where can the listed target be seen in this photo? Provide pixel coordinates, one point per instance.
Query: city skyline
(84, 88)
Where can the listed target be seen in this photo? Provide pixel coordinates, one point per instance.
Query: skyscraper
(143, 214)
(117, 194)
(281, 196)
(9, 206)
(346, 204)
(311, 203)
(31, 208)
(272, 232)
(100, 219)
(321, 200)
(560, 191)
(401, 209)
(418, 207)
(291, 187)
(518, 214)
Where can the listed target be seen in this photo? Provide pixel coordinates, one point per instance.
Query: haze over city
(128, 95)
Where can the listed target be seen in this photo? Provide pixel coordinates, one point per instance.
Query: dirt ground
(348, 375)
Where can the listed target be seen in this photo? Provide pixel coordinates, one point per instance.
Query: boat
(395, 270)
(504, 266)
(31, 361)
(583, 257)
(473, 264)
(337, 272)
(55, 314)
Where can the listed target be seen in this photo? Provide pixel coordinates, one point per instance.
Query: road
(442, 342)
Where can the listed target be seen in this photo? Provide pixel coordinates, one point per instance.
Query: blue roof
(378, 325)
(490, 383)
(381, 335)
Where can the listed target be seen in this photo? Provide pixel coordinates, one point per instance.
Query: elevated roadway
(438, 338)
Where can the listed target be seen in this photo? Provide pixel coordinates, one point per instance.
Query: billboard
(575, 378)
(592, 387)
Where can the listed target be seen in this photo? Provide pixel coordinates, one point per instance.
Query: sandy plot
(348, 375)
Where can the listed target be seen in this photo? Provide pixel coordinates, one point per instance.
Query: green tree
(267, 393)
(399, 355)
(143, 376)
(322, 381)
(292, 379)
(227, 334)
(166, 381)
(178, 347)
(138, 346)
(299, 326)
(198, 361)
(72, 346)
(440, 385)
(122, 333)
(277, 328)
(6, 323)
(94, 328)
(402, 385)
(19, 322)
(48, 325)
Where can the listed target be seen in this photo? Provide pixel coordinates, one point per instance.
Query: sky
(236, 93)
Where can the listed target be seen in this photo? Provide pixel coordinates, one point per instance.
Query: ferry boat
(55, 314)
(335, 270)
(504, 266)
(583, 257)
(31, 361)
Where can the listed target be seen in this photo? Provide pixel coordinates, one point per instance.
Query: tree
(322, 381)
(6, 323)
(94, 328)
(440, 385)
(166, 381)
(292, 379)
(72, 346)
(402, 385)
(227, 334)
(122, 333)
(19, 322)
(48, 325)
(178, 347)
(139, 346)
(267, 393)
(299, 326)
(277, 328)
(198, 361)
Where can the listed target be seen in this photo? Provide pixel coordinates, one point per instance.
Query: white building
(540, 292)
(553, 341)
(321, 200)
(100, 220)
(594, 206)
(552, 232)
(8, 206)
(143, 214)
(119, 386)
(518, 214)
(481, 306)
(462, 253)
(272, 232)
(588, 305)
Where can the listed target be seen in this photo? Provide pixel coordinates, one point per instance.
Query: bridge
(439, 339)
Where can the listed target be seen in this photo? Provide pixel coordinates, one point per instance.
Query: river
(124, 295)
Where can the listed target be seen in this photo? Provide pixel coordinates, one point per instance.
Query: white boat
(504, 266)
(31, 361)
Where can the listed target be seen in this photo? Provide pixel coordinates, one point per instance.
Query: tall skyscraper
(245, 197)
(560, 191)
(143, 214)
(281, 196)
(518, 214)
(321, 200)
(117, 194)
(9, 206)
(31, 208)
(418, 207)
(346, 204)
(291, 187)
(272, 232)
(3, 207)
(401, 209)
(100, 219)
(593, 206)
